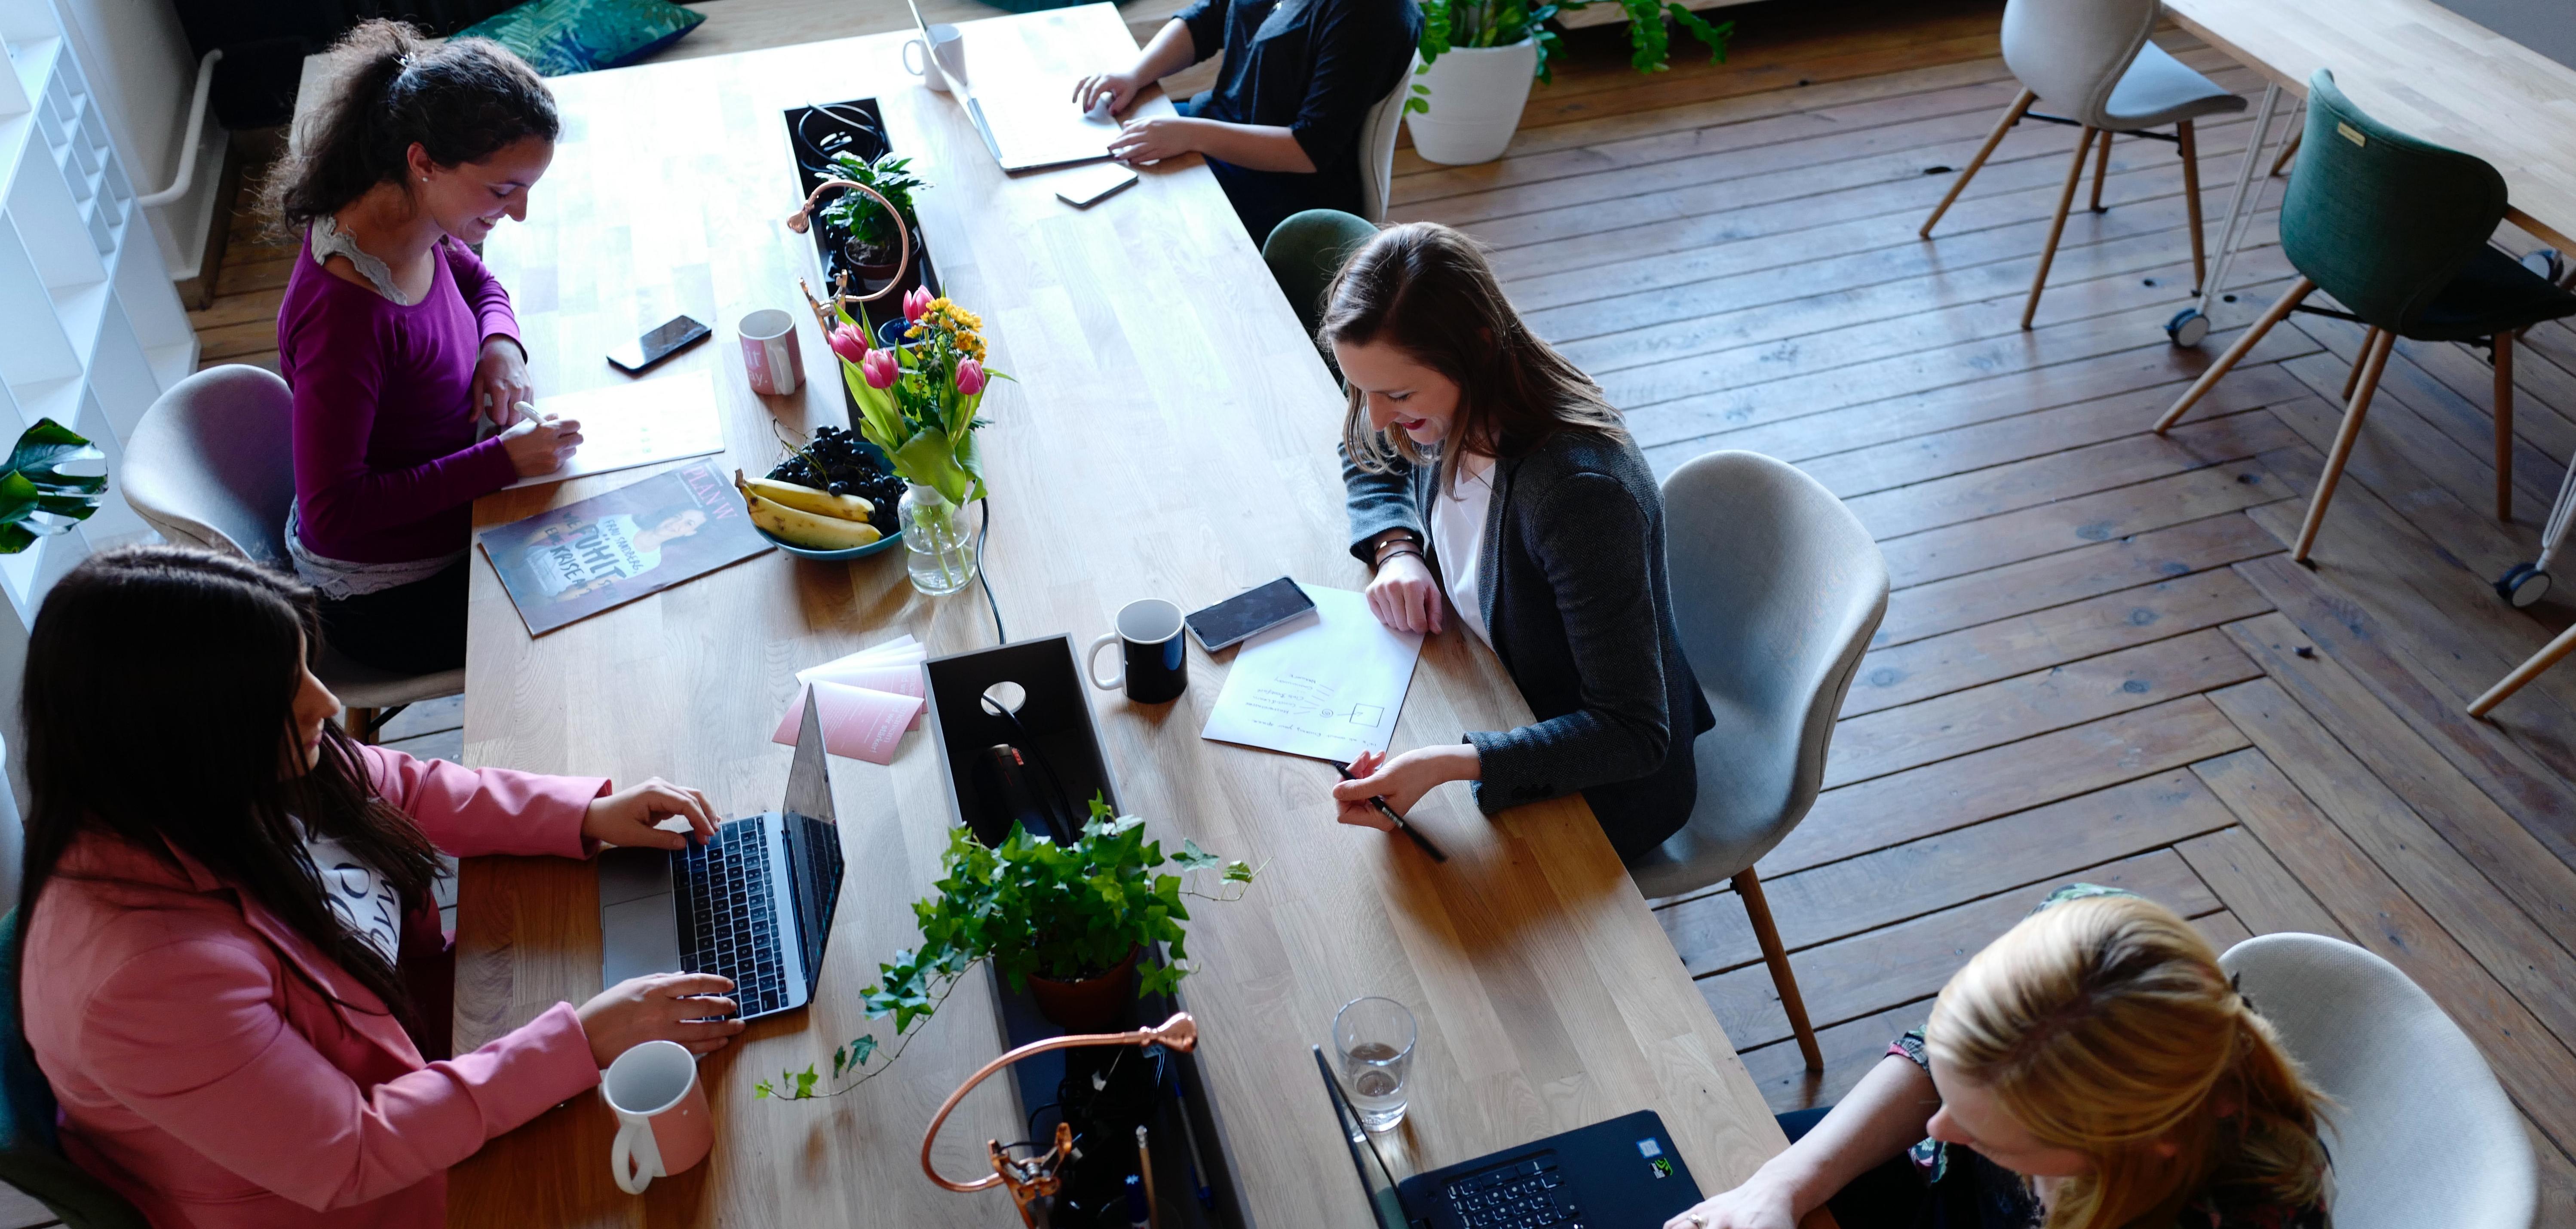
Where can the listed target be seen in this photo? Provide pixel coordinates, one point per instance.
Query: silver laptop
(1027, 118)
(754, 904)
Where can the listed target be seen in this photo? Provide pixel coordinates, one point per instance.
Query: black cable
(985, 572)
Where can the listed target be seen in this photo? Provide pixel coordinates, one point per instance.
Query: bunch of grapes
(836, 460)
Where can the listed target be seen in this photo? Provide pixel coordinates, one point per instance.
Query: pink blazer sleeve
(469, 812)
(189, 1036)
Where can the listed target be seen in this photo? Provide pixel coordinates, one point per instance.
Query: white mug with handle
(661, 1109)
(943, 58)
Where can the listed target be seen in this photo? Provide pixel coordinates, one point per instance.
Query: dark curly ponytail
(461, 102)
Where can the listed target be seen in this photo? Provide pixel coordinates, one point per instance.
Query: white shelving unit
(91, 329)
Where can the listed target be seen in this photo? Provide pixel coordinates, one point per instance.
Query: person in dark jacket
(1490, 484)
(1281, 126)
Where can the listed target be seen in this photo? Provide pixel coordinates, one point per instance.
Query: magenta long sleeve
(386, 466)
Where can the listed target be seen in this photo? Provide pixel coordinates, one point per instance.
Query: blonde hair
(2105, 1026)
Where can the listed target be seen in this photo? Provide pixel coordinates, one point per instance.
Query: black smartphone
(1248, 614)
(668, 338)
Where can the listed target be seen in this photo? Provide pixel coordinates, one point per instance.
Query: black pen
(1398, 820)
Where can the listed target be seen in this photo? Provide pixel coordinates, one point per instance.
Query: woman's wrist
(1459, 761)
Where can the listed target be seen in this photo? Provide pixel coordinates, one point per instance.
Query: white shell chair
(2420, 1133)
(1777, 589)
(211, 465)
(2092, 59)
(1377, 149)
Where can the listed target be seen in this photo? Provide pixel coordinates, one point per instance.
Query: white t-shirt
(1458, 537)
(363, 899)
(603, 550)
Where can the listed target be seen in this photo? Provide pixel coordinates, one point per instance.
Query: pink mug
(769, 354)
(661, 1107)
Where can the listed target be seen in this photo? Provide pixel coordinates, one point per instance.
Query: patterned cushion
(576, 36)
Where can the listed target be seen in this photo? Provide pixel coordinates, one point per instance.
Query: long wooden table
(1170, 434)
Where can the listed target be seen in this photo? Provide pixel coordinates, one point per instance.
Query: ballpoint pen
(1397, 820)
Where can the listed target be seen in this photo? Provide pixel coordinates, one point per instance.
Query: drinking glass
(1374, 1037)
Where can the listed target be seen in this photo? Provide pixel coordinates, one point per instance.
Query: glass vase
(939, 546)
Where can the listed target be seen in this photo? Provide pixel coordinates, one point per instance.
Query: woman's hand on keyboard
(631, 815)
(682, 1007)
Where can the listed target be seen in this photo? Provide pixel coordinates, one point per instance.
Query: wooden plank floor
(2098, 662)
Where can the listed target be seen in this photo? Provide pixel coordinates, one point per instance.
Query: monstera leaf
(37, 496)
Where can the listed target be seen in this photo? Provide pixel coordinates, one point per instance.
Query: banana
(806, 498)
(797, 527)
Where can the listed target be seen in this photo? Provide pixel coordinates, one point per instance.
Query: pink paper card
(901, 680)
(858, 724)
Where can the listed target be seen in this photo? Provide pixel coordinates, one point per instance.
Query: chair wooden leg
(2101, 168)
(2289, 150)
(2254, 332)
(2375, 361)
(2057, 226)
(2504, 424)
(360, 723)
(2524, 673)
(1749, 886)
(2012, 116)
(2187, 144)
(2368, 340)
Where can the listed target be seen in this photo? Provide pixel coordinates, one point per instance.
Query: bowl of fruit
(834, 498)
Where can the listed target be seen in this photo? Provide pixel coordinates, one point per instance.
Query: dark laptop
(1620, 1174)
(754, 904)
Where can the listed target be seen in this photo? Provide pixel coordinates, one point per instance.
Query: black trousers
(418, 628)
(1892, 1196)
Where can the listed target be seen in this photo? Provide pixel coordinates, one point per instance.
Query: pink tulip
(849, 342)
(970, 377)
(879, 368)
(916, 304)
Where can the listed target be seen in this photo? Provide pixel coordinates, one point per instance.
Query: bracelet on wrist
(1398, 553)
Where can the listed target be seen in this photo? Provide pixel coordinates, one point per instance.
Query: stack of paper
(865, 700)
(1329, 688)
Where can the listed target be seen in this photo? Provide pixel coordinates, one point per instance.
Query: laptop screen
(814, 881)
(1376, 1183)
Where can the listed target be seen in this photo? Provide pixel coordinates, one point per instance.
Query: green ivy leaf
(1193, 858)
(805, 1083)
(1238, 871)
(861, 1050)
(760, 1091)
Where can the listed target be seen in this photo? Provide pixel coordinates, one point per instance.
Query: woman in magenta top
(230, 968)
(399, 344)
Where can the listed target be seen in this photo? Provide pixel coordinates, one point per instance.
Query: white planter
(1476, 98)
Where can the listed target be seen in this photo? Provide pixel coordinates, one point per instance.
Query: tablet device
(1248, 614)
(1092, 183)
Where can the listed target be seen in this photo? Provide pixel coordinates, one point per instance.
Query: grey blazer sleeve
(1378, 502)
(1593, 545)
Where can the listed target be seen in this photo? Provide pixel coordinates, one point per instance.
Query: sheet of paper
(858, 724)
(663, 418)
(1329, 687)
(894, 666)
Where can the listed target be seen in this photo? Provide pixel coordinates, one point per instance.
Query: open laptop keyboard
(728, 924)
(1527, 1195)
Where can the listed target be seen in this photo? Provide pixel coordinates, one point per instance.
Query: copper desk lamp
(1041, 1176)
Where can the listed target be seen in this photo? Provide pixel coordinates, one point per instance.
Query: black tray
(814, 134)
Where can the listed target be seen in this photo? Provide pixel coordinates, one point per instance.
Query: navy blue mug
(1154, 665)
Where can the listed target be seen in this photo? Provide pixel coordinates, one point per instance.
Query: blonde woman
(2092, 1069)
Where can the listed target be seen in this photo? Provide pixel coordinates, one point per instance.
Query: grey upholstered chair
(210, 465)
(1377, 149)
(1306, 250)
(2421, 1134)
(1778, 589)
(2091, 59)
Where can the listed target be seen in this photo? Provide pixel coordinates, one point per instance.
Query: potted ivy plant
(1477, 59)
(1070, 924)
(869, 246)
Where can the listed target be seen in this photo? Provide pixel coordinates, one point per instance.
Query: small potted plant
(1478, 57)
(916, 402)
(1067, 923)
(869, 248)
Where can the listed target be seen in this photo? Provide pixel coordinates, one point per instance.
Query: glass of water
(1374, 1037)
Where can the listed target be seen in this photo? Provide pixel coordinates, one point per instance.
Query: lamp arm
(800, 220)
(1178, 1033)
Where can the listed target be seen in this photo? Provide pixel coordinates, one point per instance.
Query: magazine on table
(569, 563)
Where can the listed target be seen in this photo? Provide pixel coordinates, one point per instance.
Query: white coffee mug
(769, 352)
(943, 61)
(662, 1125)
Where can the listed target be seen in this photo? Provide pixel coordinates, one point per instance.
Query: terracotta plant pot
(1091, 1004)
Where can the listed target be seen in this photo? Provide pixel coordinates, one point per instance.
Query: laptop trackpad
(637, 937)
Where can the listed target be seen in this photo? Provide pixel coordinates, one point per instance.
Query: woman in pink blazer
(215, 940)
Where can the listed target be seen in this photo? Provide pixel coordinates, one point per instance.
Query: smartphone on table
(662, 341)
(1248, 614)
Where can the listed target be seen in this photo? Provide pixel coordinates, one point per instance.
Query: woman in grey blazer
(1473, 448)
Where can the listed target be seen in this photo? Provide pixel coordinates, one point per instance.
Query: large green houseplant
(1476, 60)
(38, 497)
(1036, 910)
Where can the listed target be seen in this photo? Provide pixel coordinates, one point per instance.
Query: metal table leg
(2191, 324)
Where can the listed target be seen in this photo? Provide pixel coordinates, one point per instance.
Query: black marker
(1398, 820)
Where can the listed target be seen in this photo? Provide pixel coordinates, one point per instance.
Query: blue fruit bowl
(830, 556)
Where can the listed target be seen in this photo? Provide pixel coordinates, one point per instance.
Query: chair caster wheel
(2524, 586)
(2546, 262)
(2187, 327)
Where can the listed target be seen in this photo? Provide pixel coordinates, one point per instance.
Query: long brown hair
(1427, 290)
(461, 101)
(2104, 1025)
(169, 629)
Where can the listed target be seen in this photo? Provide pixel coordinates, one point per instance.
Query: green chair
(30, 1158)
(1304, 252)
(2396, 230)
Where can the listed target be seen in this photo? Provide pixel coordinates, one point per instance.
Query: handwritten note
(1329, 688)
(643, 423)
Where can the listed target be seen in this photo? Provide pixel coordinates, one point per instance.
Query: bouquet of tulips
(917, 401)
